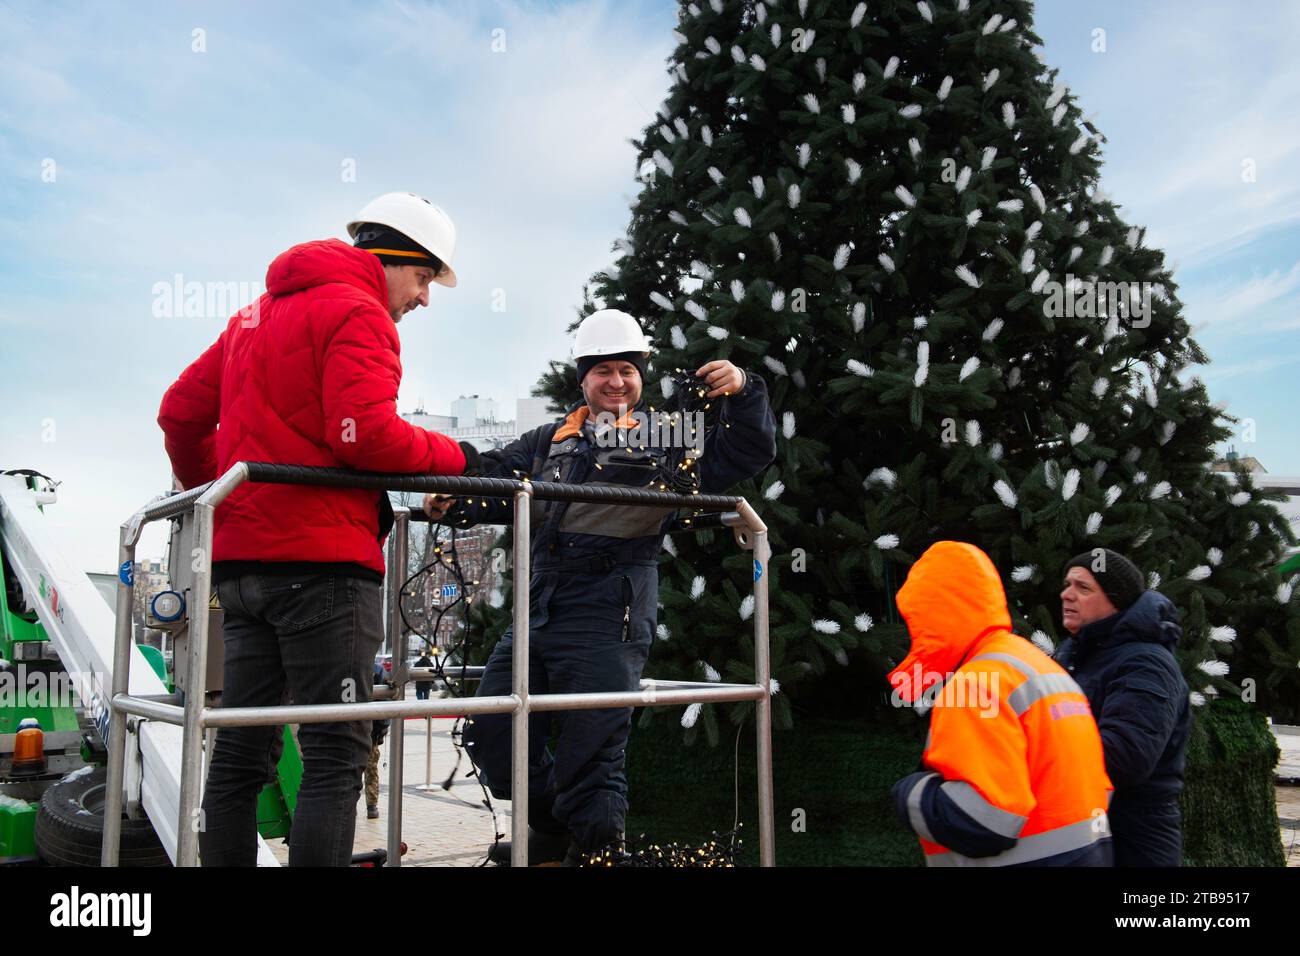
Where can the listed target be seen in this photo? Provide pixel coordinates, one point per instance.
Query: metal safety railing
(195, 717)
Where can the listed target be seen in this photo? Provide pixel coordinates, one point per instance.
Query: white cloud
(209, 165)
(1231, 300)
(1218, 373)
(1185, 93)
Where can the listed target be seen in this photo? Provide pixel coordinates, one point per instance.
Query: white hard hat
(419, 220)
(609, 332)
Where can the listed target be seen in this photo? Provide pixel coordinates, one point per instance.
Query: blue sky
(169, 161)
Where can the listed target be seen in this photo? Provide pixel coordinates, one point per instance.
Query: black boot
(575, 857)
(543, 847)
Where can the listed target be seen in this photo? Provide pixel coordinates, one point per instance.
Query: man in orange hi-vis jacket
(1013, 772)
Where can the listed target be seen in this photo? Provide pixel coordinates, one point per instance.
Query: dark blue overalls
(593, 597)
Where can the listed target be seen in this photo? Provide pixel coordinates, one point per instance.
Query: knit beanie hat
(1119, 577)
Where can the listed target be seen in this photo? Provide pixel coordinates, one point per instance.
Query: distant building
(487, 436)
(474, 419)
(1260, 478)
(443, 607)
(434, 423)
(1232, 458)
(532, 412)
(471, 410)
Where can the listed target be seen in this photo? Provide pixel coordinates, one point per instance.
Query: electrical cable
(449, 558)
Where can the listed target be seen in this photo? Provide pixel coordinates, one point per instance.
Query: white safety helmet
(419, 220)
(609, 332)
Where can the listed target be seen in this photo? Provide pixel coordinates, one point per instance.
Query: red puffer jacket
(307, 377)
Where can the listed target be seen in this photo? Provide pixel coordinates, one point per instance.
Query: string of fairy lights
(720, 851)
(686, 409)
(715, 853)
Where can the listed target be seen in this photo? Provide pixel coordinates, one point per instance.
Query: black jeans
(314, 637)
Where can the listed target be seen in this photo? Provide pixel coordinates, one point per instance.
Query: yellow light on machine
(29, 748)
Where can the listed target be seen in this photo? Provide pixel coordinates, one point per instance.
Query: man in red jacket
(308, 375)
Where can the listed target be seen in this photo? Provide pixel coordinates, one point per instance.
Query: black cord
(449, 557)
(735, 823)
(689, 402)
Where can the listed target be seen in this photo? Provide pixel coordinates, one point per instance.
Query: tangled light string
(719, 851)
(689, 401)
(446, 556)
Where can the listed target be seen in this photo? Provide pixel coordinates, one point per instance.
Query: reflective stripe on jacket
(1013, 771)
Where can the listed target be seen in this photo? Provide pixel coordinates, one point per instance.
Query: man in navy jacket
(1121, 655)
(594, 587)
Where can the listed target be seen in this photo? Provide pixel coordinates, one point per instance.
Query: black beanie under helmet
(394, 248)
(587, 362)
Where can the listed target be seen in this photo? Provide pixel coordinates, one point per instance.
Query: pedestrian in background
(1122, 654)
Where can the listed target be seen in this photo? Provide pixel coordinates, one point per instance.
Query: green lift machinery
(56, 634)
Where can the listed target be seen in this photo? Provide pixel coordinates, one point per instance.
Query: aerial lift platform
(57, 635)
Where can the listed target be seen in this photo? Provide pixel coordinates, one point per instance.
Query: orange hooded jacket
(1013, 767)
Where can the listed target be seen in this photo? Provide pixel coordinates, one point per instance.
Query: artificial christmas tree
(891, 211)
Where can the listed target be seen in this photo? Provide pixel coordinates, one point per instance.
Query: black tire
(70, 827)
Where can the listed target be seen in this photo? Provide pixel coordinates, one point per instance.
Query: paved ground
(440, 827)
(1288, 797)
(452, 827)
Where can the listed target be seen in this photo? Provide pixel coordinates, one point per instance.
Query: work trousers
(579, 644)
